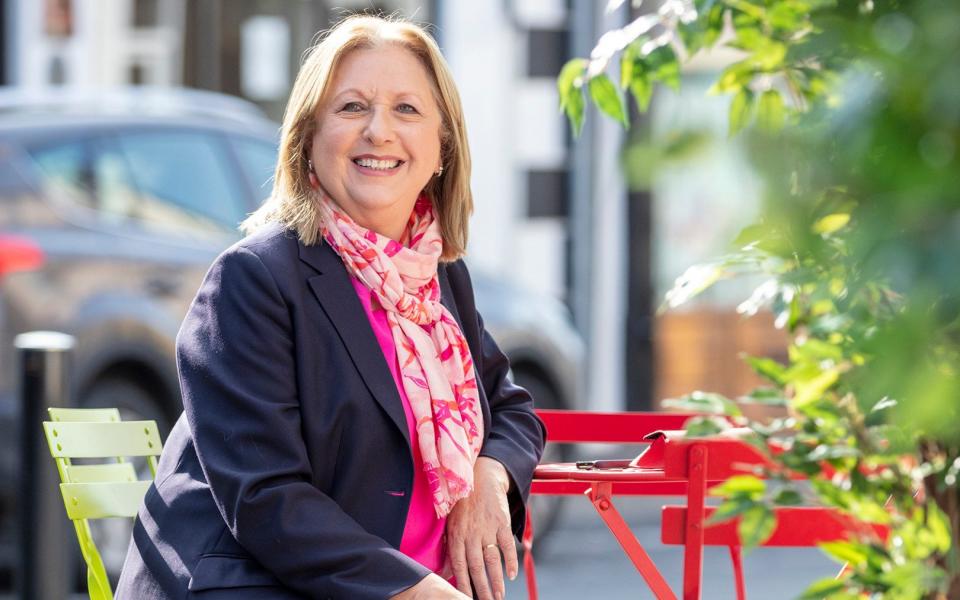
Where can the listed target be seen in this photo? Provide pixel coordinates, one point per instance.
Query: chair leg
(529, 571)
(98, 585)
(693, 546)
(736, 558)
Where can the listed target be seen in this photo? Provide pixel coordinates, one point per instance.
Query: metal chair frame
(106, 489)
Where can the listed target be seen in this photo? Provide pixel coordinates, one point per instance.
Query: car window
(66, 173)
(184, 180)
(258, 161)
(117, 197)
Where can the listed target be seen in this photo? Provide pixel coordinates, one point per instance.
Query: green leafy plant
(851, 111)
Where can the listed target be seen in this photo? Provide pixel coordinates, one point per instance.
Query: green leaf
(831, 223)
(768, 368)
(571, 95)
(693, 281)
(788, 17)
(823, 588)
(749, 38)
(813, 350)
(730, 508)
(769, 55)
(733, 78)
(704, 426)
(567, 80)
(607, 98)
(741, 109)
(787, 497)
(868, 511)
(664, 66)
(812, 390)
(845, 552)
(938, 527)
(642, 90)
(575, 111)
(746, 8)
(704, 402)
(909, 580)
(693, 38)
(743, 485)
(628, 67)
(830, 494)
(751, 234)
(714, 24)
(771, 113)
(756, 526)
(767, 396)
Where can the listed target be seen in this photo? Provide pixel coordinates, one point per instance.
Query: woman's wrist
(492, 470)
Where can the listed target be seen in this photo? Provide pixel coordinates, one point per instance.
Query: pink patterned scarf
(435, 363)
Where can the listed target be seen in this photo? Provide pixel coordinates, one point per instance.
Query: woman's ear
(312, 175)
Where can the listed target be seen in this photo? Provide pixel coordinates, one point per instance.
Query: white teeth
(376, 164)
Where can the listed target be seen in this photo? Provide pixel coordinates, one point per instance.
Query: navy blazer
(289, 473)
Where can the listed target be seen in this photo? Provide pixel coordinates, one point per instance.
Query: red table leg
(693, 548)
(736, 557)
(528, 568)
(600, 497)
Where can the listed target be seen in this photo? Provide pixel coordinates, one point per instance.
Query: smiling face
(377, 140)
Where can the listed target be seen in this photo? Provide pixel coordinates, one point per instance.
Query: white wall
(103, 47)
(513, 124)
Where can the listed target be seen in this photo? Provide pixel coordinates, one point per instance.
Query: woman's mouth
(372, 164)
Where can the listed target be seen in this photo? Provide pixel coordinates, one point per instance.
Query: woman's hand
(430, 587)
(478, 532)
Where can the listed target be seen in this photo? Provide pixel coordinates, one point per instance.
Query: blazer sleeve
(516, 436)
(235, 356)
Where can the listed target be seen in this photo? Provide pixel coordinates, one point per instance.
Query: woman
(349, 429)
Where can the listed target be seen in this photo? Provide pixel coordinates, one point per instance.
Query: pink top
(423, 531)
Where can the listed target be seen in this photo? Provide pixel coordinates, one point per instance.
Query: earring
(440, 171)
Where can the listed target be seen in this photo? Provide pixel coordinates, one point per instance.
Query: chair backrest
(106, 489)
(572, 426)
(84, 415)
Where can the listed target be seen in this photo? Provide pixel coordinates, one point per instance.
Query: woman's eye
(352, 107)
(407, 108)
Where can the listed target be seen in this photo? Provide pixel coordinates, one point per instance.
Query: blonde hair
(294, 203)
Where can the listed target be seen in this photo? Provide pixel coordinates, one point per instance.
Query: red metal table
(671, 465)
(647, 475)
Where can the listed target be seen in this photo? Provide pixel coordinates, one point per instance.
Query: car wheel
(112, 536)
(544, 510)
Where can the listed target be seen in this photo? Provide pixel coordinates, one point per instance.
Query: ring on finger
(492, 546)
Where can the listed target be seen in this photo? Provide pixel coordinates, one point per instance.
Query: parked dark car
(112, 206)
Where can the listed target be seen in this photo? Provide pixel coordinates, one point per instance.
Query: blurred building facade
(552, 213)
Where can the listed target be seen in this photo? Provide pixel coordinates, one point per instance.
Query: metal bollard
(42, 570)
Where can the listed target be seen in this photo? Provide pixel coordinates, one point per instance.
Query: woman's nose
(379, 127)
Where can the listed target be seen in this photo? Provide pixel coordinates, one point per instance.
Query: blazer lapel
(448, 300)
(446, 295)
(334, 290)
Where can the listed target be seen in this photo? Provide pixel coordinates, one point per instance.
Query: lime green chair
(105, 489)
